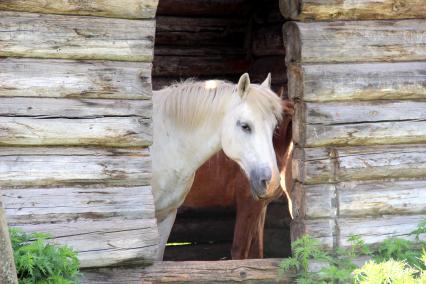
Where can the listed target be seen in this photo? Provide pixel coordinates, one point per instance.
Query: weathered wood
(105, 8)
(324, 230)
(376, 230)
(104, 131)
(30, 167)
(330, 165)
(73, 108)
(359, 199)
(7, 263)
(184, 31)
(188, 66)
(318, 10)
(360, 81)
(74, 79)
(355, 41)
(203, 8)
(360, 123)
(268, 40)
(201, 51)
(275, 65)
(67, 204)
(230, 271)
(75, 37)
(105, 243)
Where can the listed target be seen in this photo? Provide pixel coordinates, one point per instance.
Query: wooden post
(7, 264)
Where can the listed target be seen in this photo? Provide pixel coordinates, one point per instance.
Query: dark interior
(220, 39)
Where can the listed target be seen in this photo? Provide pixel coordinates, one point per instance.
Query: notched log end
(291, 9)
(292, 42)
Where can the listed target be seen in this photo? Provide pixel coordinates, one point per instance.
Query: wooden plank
(103, 131)
(382, 197)
(331, 165)
(60, 166)
(132, 9)
(73, 108)
(188, 66)
(186, 31)
(357, 82)
(203, 8)
(360, 123)
(74, 79)
(268, 40)
(228, 271)
(75, 37)
(376, 230)
(318, 10)
(67, 204)
(314, 201)
(355, 41)
(106, 243)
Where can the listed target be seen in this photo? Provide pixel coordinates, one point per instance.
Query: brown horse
(220, 182)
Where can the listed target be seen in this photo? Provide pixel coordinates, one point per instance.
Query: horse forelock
(190, 103)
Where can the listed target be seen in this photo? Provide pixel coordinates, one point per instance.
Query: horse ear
(281, 93)
(267, 82)
(243, 85)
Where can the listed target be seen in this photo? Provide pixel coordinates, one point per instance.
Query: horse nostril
(264, 183)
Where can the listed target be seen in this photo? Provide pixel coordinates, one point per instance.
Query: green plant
(38, 262)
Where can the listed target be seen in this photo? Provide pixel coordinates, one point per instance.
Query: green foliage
(38, 262)
(394, 261)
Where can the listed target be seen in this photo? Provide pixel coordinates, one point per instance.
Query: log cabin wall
(357, 71)
(75, 123)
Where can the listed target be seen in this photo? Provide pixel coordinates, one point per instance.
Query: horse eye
(245, 127)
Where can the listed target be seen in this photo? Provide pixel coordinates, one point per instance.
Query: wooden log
(202, 51)
(75, 37)
(268, 40)
(73, 108)
(359, 81)
(186, 66)
(323, 230)
(132, 9)
(74, 79)
(184, 31)
(106, 243)
(359, 123)
(68, 204)
(104, 131)
(201, 8)
(375, 230)
(318, 10)
(331, 165)
(7, 265)
(229, 271)
(29, 167)
(314, 201)
(275, 65)
(355, 41)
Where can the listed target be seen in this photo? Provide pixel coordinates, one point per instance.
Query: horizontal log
(56, 205)
(355, 41)
(52, 131)
(75, 37)
(184, 31)
(133, 9)
(202, 51)
(323, 230)
(360, 198)
(275, 65)
(186, 66)
(73, 108)
(203, 8)
(74, 79)
(375, 230)
(106, 243)
(318, 10)
(29, 167)
(228, 271)
(359, 81)
(267, 40)
(331, 165)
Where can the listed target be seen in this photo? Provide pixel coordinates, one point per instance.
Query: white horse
(194, 120)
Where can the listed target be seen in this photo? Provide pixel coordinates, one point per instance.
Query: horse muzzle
(259, 181)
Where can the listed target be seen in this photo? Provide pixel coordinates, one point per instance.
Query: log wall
(359, 125)
(75, 123)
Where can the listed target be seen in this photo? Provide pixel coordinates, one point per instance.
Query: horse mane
(190, 103)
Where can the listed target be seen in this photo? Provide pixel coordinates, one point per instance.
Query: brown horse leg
(246, 225)
(256, 248)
